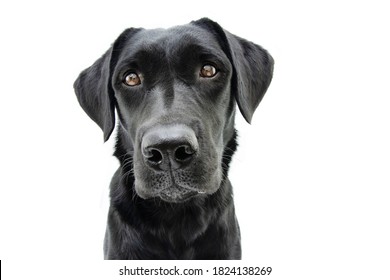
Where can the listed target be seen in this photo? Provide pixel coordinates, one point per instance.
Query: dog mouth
(177, 186)
(177, 194)
(170, 190)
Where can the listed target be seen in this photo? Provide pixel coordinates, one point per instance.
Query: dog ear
(94, 90)
(252, 67)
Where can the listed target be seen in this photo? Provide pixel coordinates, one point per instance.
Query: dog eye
(208, 71)
(132, 79)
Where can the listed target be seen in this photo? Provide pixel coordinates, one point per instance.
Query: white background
(311, 176)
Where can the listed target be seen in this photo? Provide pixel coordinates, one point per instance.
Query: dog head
(175, 92)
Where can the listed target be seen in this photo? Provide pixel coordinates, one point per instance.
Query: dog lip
(177, 199)
(189, 193)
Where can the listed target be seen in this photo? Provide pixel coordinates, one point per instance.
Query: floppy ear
(252, 67)
(94, 90)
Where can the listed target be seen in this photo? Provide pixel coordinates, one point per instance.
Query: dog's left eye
(132, 79)
(208, 71)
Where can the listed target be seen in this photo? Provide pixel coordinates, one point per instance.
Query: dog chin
(175, 197)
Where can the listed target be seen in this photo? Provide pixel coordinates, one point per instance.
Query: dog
(175, 93)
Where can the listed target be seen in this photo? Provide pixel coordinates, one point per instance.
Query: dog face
(175, 92)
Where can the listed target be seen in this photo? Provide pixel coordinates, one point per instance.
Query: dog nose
(169, 147)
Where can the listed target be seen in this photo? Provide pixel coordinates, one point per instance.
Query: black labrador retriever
(175, 92)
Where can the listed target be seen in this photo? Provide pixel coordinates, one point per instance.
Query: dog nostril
(184, 153)
(154, 156)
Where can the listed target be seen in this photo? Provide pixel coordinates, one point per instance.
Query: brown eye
(208, 71)
(132, 79)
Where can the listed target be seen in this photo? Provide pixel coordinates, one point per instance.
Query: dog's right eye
(131, 79)
(208, 71)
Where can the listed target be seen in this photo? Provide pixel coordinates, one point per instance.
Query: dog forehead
(173, 40)
(190, 34)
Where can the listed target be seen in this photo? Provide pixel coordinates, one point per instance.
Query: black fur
(181, 205)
